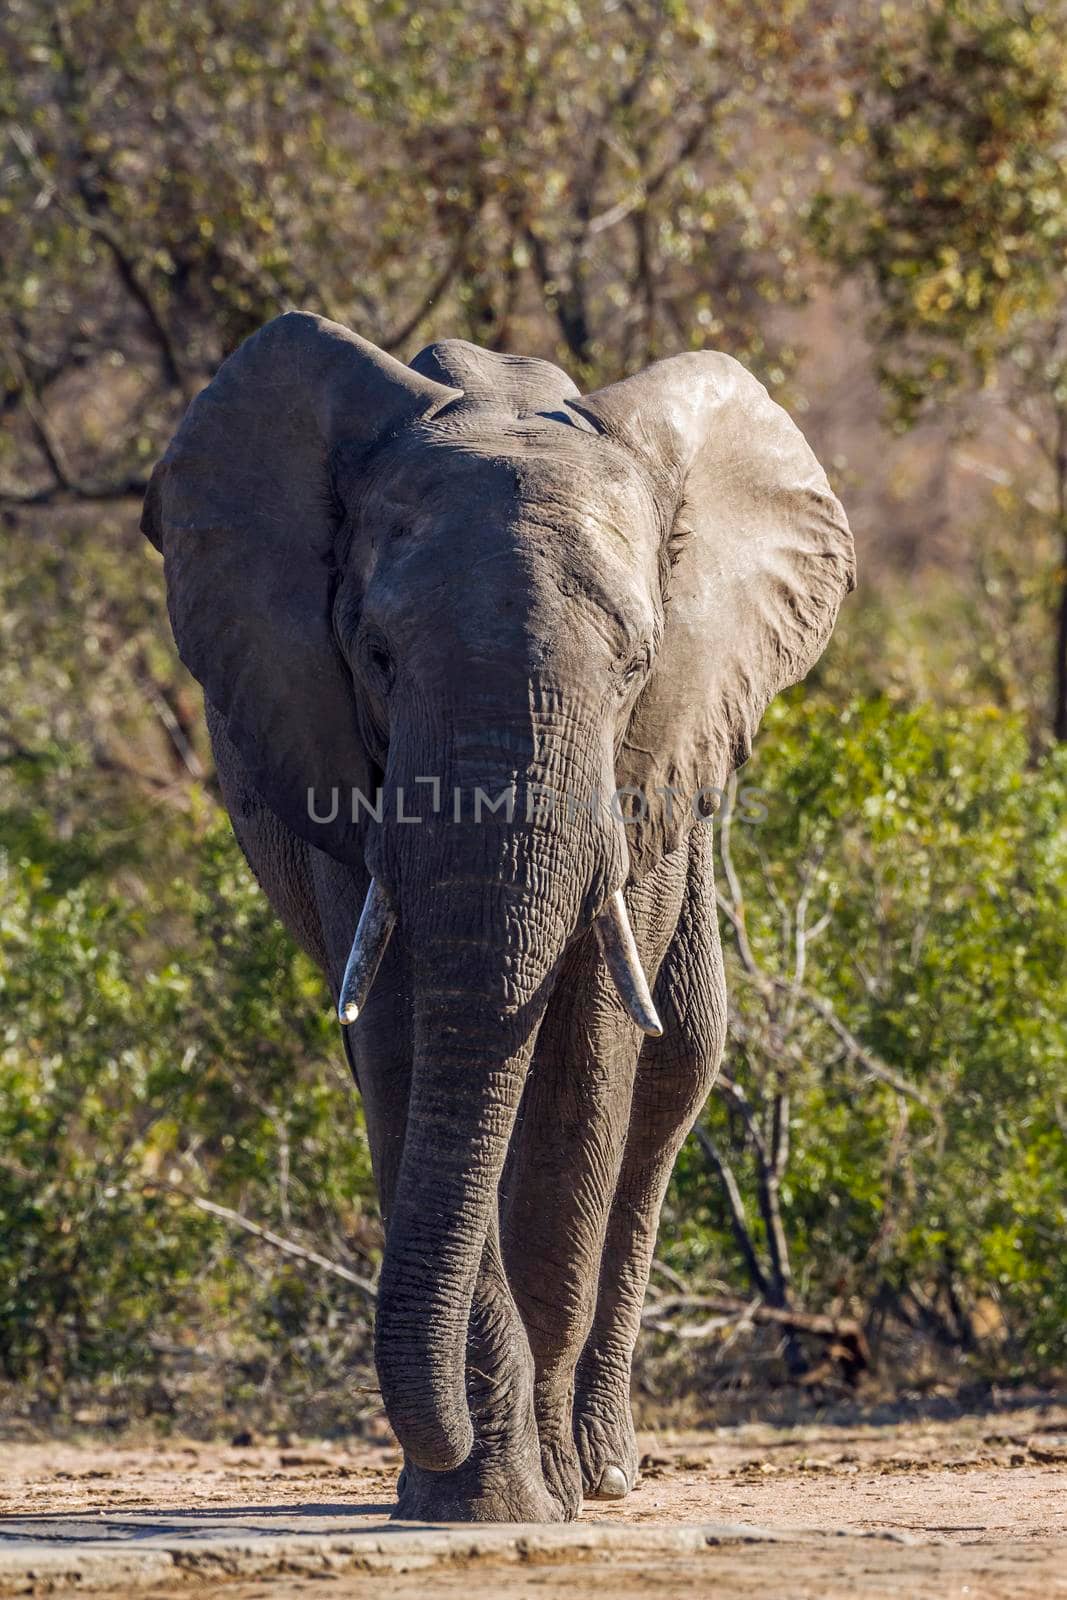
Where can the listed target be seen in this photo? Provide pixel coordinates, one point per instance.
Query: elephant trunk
(470, 1067)
(486, 912)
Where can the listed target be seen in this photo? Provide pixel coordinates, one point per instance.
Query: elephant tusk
(619, 949)
(376, 922)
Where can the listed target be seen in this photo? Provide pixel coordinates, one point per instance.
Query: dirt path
(975, 1507)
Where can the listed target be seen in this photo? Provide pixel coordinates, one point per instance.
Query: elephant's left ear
(761, 558)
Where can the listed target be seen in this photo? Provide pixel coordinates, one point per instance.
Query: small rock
(1048, 1447)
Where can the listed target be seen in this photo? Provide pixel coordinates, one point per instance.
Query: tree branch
(734, 908)
(736, 1208)
(854, 1354)
(870, 1063)
(67, 483)
(88, 216)
(405, 329)
(287, 1246)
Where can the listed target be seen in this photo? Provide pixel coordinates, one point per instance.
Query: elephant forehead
(552, 527)
(555, 473)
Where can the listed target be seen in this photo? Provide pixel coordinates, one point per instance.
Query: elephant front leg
(565, 1167)
(557, 1193)
(674, 1077)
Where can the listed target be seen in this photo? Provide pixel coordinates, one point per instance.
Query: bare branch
(735, 906)
(169, 719)
(67, 483)
(455, 261)
(870, 1063)
(843, 1331)
(88, 216)
(728, 1086)
(671, 1276)
(726, 1311)
(602, 141)
(780, 1127)
(131, 488)
(690, 141)
(768, 1195)
(736, 1207)
(287, 1247)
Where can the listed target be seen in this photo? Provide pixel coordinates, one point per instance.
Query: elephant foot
(562, 1473)
(607, 1448)
(560, 1467)
(482, 1492)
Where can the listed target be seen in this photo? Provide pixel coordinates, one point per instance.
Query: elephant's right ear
(242, 506)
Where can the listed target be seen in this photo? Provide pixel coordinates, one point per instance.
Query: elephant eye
(635, 668)
(377, 661)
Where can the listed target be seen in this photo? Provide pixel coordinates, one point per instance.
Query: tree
(594, 184)
(581, 181)
(957, 133)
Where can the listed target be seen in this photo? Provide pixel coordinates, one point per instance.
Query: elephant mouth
(614, 935)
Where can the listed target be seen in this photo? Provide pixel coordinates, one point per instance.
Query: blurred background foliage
(868, 204)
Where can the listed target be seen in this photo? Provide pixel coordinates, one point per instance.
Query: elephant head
(465, 586)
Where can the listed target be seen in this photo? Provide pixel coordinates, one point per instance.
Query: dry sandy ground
(976, 1507)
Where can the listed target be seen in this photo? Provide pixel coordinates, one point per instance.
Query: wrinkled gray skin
(462, 569)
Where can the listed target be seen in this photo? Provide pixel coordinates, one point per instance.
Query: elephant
(410, 593)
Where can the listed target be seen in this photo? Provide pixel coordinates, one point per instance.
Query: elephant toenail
(613, 1484)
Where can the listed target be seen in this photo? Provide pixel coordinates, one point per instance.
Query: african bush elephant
(444, 615)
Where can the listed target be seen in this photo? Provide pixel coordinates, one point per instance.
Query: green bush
(935, 854)
(163, 1039)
